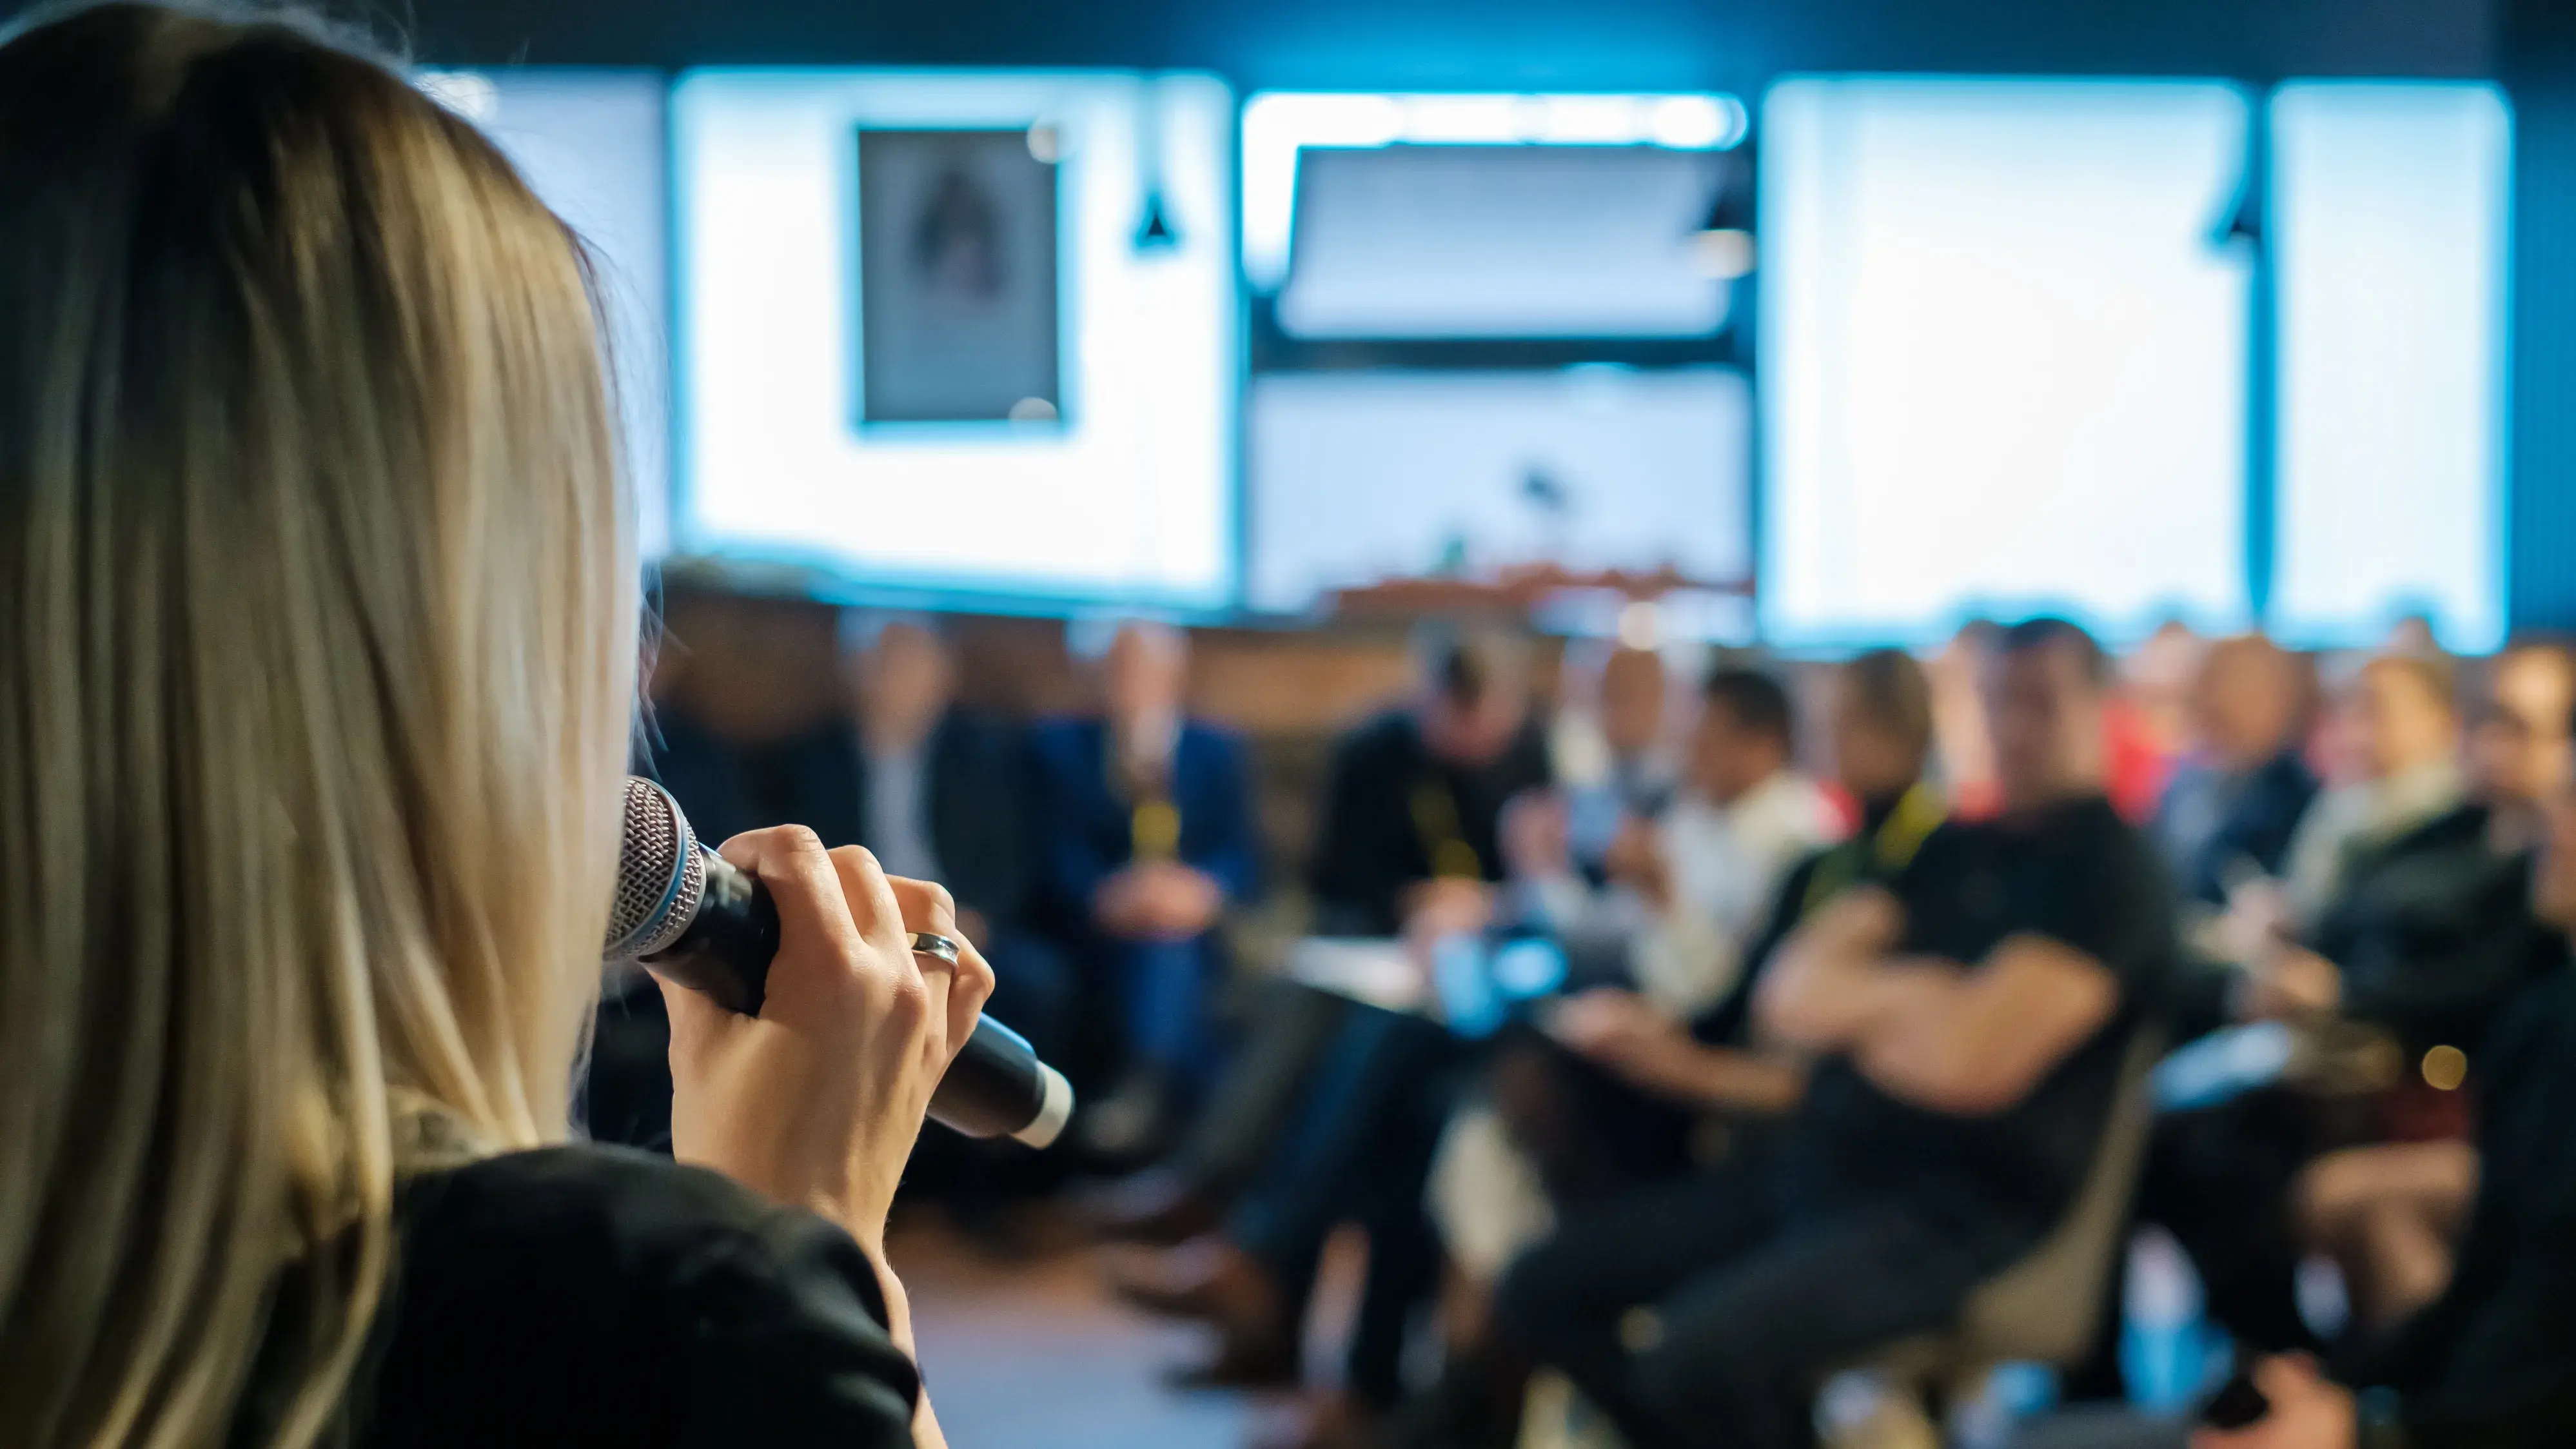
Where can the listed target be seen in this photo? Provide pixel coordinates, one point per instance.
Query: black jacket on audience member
(975, 788)
(2434, 933)
(2258, 816)
(2488, 1364)
(1370, 844)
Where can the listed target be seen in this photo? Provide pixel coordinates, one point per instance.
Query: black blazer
(589, 1296)
(2486, 1365)
(2434, 933)
(976, 788)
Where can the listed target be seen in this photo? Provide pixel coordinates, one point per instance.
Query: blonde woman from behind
(318, 626)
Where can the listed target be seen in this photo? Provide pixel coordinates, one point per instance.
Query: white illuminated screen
(2389, 227)
(1362, 477)
(2003, 361)
(1127, 499)
(591, 144)
(1508, 241)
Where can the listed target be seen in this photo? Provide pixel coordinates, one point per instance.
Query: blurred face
(1726, 758)
(2245, 703)
(1145, 674)
(1472, 732)
(1872, 761)
(2396, 722)
(903, 681)
(2046, 720)
(2518, 751)
(1632, 702)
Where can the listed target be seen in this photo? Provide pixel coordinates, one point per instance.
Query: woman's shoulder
(596, 1199)
(639, 1300)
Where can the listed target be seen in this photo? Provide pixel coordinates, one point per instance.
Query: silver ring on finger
(938, 947)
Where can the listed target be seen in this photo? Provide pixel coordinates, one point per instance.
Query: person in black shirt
(1970, 1024)
(1412, 808)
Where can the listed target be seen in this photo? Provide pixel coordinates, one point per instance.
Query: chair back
(2047, 1308)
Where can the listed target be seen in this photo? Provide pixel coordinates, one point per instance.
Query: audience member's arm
(1826, 981)
(1623, 1033)
(1958, 1041)
(1980, 1041)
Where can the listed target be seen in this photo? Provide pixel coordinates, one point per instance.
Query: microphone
(689, 916)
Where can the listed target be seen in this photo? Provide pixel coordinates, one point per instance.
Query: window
(1111, 483)
(2388, 223)
(2003, 360)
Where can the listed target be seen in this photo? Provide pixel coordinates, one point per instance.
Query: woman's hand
(819, 1099)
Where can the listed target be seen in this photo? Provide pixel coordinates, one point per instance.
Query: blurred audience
(1409, 832)
(1146, 838)
(1410, 837)
(1611, 744)
(1614, 1092)
(2484, 1364)
(2400, 722)
(1337, 1112)
(1682, 893)
(1970, 1024)
(1791, 1101)
(2235, 800)
(936, 791)
(2421, 933)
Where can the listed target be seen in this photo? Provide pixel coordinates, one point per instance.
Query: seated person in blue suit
(2234, 805)
(938, 791)
(1146, 822)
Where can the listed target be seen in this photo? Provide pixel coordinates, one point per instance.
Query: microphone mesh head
(660, 875)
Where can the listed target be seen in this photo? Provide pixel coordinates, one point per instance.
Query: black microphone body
(714, 929)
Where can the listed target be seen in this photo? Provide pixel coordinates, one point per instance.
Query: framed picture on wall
(958, 314)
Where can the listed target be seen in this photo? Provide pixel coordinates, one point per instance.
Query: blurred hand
(1158, 900)
(1865, 920)
(2256, 922)
(2308, 1412)
(2291, 982)
(1636, 860)
(1447, 906)
(1614, 1028)
(1535, 836)
(818, 1100)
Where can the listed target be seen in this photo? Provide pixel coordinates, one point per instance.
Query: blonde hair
(317, 643)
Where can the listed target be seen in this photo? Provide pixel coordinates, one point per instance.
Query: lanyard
(1444, 841)
(1153, 821)
(1887, 850)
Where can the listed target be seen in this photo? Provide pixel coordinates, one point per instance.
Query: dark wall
(1450, 43)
